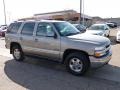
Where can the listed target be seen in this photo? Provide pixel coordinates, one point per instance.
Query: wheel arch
(68, 51)
(14, 44)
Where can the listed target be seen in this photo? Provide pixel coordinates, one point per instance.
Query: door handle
(36, 40)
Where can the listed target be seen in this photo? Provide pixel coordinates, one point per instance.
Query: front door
(47, 44)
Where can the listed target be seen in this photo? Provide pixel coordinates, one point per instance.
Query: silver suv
(59, 41)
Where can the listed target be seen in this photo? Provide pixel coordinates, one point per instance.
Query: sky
(16, 9)
(102, 8)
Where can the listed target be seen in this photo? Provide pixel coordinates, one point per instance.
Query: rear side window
(28, 28)
(14, 27)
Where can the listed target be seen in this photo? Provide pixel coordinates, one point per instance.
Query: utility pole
(4, 11)
(83, 14)
(80, 11)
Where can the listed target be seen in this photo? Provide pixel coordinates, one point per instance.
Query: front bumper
(98, 62)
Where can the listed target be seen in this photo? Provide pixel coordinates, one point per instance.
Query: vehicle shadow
(46, 75)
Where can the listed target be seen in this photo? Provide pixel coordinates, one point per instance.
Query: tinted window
(13, 28)
(44, 29)
(28, 28)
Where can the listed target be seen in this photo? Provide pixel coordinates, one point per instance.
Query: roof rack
(26, 20)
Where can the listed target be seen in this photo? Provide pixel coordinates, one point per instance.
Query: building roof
(57, 12)
(58, 15)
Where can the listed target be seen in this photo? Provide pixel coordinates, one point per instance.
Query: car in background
(3, 26)
(118, 37)
(80, 27)
(115, 24)
(3, 30)
(99, 29)
(112, 24)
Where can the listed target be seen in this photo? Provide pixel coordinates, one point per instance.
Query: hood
(95, 39)
(95, 32)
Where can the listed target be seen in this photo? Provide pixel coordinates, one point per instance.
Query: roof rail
(26, 20)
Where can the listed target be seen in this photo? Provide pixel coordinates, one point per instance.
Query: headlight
(99, 48)
(99, 51)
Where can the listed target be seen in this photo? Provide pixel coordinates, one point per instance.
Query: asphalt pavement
(37, 74)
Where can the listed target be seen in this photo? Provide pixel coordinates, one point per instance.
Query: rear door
(27, 38)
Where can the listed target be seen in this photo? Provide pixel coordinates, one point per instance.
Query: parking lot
(36, 74)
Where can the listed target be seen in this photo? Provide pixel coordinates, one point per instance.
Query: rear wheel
(17, 53)
(77, 63)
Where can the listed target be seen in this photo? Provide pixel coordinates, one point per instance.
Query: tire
(81, 59)
(17, 53)
(117, 41)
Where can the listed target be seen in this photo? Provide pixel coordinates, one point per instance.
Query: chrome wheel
(76, 65)
(17, 53)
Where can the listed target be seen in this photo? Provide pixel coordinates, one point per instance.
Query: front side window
(28, 28)
(44, 29)
(14, 27)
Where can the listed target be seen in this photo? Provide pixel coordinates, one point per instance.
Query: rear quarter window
(14, 27)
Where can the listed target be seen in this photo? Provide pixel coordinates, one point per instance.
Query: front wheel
(77, 63)
(17, 53)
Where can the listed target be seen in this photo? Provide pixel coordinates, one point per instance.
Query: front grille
(107, 49)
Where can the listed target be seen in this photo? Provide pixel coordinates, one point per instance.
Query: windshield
(96, 27)
(66, 29)
(80, 26)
